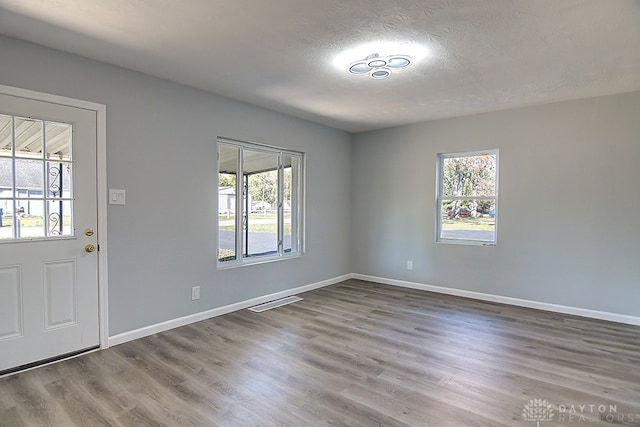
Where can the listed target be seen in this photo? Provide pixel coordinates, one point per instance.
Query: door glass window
(36, 177)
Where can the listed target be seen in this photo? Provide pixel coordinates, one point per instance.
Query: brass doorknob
(89, 248)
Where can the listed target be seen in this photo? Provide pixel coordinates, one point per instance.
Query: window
(467, 197)
(36, 192)
(265, 221)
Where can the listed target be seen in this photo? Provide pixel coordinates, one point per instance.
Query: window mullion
(468, 197)
(13, 183)
(240, 189)
(280, 204)
(296, 200)
(47, 177)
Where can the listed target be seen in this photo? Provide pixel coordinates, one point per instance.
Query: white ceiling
(282, 54)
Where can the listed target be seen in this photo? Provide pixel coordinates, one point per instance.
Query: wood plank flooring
(352, 354)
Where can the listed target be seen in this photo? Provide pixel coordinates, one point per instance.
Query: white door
(48, 268)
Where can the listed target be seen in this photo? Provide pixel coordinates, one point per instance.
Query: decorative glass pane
(30, 218)
(28, 138)
(60, 218)
(6, 135)
(228, 169)
(469, 175)
(6, 175)
(59, 180)
(469, 219)
(6, 216)
(261, 200)
(29, 178)
(35, 195)
(58, 141)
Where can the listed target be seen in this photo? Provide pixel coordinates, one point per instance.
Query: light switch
(117, 197)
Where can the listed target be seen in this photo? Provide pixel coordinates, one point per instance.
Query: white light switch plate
(117, 197)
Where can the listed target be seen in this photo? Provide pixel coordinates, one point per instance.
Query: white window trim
(440, 196)
(300, 212)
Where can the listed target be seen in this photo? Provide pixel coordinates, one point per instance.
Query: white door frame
(101, 190)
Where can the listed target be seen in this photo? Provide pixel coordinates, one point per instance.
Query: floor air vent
(274, 304)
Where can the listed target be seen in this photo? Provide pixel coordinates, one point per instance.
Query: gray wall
(568, 228)
(161, 149)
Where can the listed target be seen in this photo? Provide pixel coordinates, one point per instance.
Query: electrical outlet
(409, 265)
(195, 293)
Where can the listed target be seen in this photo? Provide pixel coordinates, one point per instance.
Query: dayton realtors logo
(537, 410)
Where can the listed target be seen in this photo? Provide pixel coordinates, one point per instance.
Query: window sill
(253, 261)
(466, 242)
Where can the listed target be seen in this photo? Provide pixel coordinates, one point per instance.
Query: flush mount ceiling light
(379, 67)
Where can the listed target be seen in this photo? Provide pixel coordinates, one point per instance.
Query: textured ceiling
(289, 55)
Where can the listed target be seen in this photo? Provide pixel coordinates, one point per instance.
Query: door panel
(48, 282)
(60, 294)
(10, 302)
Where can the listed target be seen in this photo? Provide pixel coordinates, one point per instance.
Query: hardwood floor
(356, 354)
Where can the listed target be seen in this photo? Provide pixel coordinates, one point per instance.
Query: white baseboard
(197, 317)
(576, 311)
